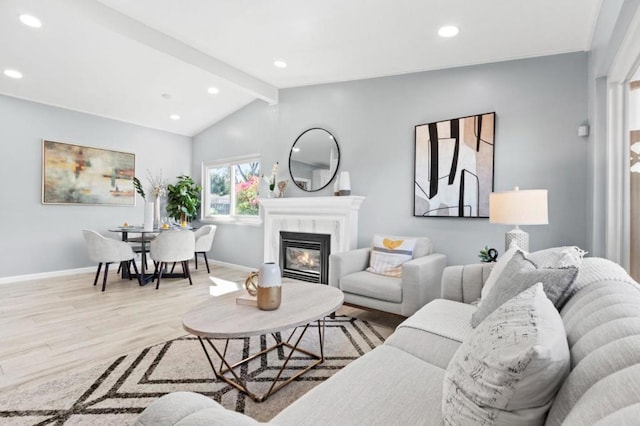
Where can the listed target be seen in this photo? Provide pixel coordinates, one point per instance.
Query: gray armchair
(419, 284)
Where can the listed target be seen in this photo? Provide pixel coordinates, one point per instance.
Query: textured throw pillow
(497, 271)
(388, 255)
(520, 274)
(557, 257)
(508, 371)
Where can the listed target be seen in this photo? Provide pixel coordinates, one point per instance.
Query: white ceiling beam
(136, 30)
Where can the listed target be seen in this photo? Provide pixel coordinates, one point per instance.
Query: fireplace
(333, 216)
(305, 256)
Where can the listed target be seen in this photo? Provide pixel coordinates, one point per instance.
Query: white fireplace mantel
(336, 216)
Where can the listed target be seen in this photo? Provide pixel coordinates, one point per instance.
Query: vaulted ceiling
(141, 61)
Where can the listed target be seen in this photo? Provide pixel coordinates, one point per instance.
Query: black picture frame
(454, 167)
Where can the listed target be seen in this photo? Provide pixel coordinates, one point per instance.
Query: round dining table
(146, 236)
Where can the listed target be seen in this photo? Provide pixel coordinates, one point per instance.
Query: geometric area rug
(116, 392)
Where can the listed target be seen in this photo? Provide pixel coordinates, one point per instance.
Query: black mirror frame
(337, 165)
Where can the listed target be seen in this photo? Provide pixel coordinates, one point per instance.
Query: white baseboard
(233, 266)
(50, 274)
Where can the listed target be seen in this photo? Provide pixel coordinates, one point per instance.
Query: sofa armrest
(347, 262)
(463, 283)
(421, 280)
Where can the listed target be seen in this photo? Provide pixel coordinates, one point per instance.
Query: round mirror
(314, 159)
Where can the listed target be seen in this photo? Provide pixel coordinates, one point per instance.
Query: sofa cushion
(605, 398)
(606, 314)
(599, 303)
(597, 270)
(599, 364)
(445, 318)
(520, 274)
(441, 324)
(372, 285)
(464, 283)
(509, 369)
(388, 255)
(383, 387)
(603, 334)
(421, 345)
(217, 417)
(625, 416)
(173, 407)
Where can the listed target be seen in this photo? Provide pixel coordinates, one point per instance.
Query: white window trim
(206, 182)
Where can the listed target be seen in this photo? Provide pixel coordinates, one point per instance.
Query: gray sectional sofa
(401, 381)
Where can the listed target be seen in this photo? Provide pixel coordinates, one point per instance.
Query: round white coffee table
(222, 318)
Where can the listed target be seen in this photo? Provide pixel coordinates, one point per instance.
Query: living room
(540, 100)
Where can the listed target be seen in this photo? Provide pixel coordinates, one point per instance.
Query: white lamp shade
(526, 207)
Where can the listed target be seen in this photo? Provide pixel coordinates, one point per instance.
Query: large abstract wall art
(453, 169)
(74, 174)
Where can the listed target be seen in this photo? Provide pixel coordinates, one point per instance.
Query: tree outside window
(224, 200)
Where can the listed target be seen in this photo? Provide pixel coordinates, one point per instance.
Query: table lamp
(526, 207)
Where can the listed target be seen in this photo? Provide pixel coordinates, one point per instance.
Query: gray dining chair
(107, 251)
(170, 247)
(204, 241)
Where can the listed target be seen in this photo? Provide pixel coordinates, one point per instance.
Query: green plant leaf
(138, 186)
(183, 198)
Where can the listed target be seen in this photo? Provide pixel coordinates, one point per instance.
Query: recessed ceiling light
(213, 90)
(448, 31)
(13, 73)
(30, 21)
(174, 117)
(295, 149)
(280, 64)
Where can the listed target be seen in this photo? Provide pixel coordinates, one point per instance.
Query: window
(231, 189)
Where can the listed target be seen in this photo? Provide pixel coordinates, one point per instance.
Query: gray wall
(40, 238)
(539, 104)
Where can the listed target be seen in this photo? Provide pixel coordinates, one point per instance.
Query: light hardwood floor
(52, 326)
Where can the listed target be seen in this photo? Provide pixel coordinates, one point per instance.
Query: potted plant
(183, 199)
(488, 254)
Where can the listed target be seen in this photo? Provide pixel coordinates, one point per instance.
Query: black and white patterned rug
(116, 392)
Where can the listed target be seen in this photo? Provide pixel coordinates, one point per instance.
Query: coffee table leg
(321, 338)
(239, 384)
(208, 357)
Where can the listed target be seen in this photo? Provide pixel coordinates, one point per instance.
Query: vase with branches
(157, 189)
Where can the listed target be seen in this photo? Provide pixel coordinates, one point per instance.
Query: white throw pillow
(388, 255)
(497, 270)
(509, 370)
